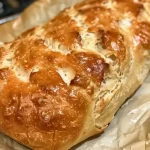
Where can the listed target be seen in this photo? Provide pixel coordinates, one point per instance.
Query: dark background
(12, 7)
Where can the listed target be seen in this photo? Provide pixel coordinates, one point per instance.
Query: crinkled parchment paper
(130, 128)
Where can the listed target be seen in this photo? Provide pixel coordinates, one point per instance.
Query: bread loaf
(63, 82)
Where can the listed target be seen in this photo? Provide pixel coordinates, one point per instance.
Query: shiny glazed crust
(64, 81)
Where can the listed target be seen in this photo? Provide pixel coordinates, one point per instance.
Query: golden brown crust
(63, 82)
(142, 33)
(45, 105)
(114, 41)
(31, 112)
(63, 29)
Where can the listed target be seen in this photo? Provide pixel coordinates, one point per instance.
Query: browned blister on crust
(63, 82)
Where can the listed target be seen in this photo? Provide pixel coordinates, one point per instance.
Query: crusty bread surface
(63, 82)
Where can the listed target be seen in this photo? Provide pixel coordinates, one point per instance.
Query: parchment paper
(130, 128)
